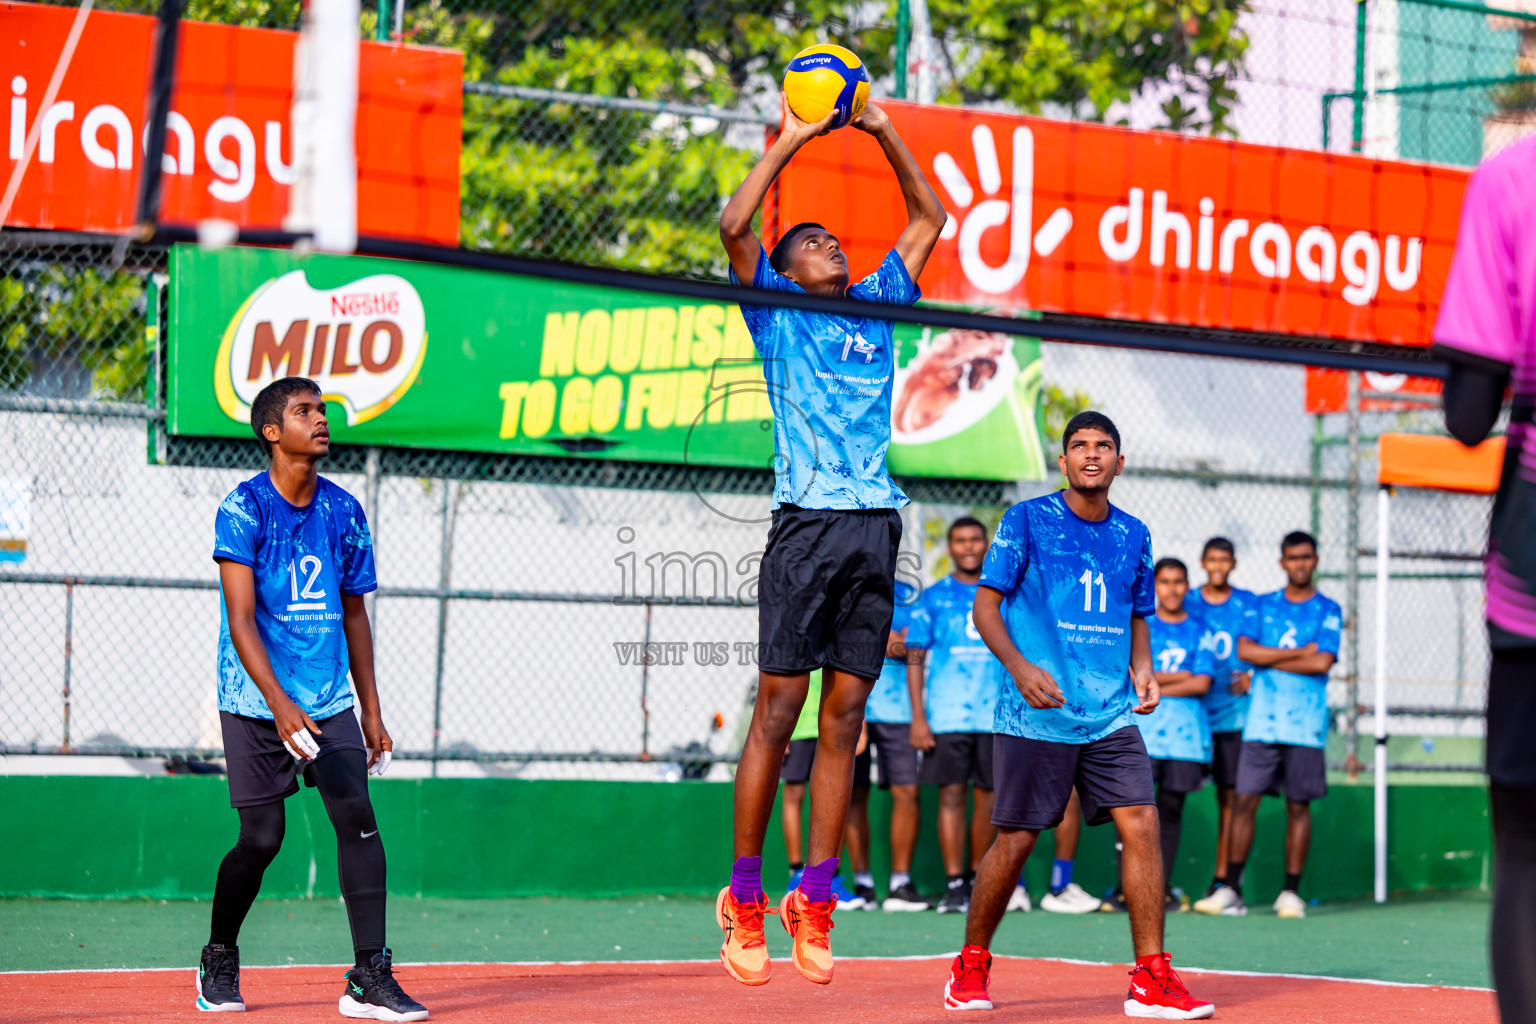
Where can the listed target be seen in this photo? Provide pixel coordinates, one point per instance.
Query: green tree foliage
(55, 316)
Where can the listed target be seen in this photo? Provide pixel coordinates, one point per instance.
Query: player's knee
(353, 814)
(777, 722)
(1298, 810)
(904, 796)
(1246, 803)
(952, 798)
(1138, 823)
(261, 839)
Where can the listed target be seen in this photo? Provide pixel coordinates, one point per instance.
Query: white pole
(1383, 532)
(324, 120)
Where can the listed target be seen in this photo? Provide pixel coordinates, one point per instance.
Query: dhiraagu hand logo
(362, 342)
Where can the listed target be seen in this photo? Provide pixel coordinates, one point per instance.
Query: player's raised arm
(239, 584)
(1034, 682)
(741, 242)
(925, 214)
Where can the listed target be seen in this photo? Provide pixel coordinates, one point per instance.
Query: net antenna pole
(162, 81)
(1383, 578)
(323, 203)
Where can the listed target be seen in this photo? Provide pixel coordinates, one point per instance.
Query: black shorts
(1035, 778)
(261, 771)
(1178, 776)
(1512, 717)
(796, 770)
(826, 590)
(894, 753)
(958, 758)
(1300, 773)
(1225, 750)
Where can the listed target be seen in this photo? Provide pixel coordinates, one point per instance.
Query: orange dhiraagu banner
(228, 149)
(1067, 217)
(1328, 391)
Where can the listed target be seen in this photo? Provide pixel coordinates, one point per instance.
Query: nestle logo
(365, 304)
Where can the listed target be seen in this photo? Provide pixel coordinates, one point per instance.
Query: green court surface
(1432, 939)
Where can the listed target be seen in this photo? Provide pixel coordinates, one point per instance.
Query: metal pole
(645, 690)
(371, 462)
(903, 43)
(69, 648)
(161, 83)
(381, 28)
(1317, 474)
(445, 569)
(1357, 126)
(400, 21)
(1383, 578)
(1352, 578)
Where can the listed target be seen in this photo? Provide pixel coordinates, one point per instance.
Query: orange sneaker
(809, 925)
(744, 953)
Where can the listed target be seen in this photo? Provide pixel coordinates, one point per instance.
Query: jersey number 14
(1089, 580)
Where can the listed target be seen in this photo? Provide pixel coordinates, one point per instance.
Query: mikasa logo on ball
(363, 342)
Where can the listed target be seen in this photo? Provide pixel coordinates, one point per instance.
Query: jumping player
(1177, 732)
(295, 559)
(1222, 607)
(952, 707)
(1063, 603)
(826, 582)
(795, 773)
(1292, 638)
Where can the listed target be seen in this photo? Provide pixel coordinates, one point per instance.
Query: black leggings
(1170, 817)
(342, 778)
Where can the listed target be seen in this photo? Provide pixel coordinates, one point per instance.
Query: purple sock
(747, 879)
(816, 883)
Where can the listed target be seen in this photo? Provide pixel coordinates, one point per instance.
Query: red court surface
(887, 991)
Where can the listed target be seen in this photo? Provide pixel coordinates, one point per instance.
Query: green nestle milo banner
(417, 355)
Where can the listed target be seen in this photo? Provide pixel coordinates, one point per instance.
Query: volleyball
(826, 79)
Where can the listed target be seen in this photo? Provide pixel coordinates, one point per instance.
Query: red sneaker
(966, 988)
(1158, 991)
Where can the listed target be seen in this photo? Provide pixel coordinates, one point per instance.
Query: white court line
(841, 959)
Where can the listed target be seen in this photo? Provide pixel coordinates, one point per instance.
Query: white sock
(900, 878)
(864, 878)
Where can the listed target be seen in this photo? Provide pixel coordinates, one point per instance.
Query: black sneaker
(906, 898)
(373, 993)
(867, 894)
(1114, 903)
(957, 899)
(218, 980)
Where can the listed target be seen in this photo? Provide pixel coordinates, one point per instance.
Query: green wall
(163, 837)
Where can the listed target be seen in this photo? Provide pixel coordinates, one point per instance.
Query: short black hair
(1090, 420)
(1296, 538)
(272, 401)
(966, 521)
(1170, 563)
(778, 259)
(1218, 544)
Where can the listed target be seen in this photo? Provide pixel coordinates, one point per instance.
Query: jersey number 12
(313, 599)
(1087, 579)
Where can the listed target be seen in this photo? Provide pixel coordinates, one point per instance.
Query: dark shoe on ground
(218, 980)
(374, 994)
(907, 898)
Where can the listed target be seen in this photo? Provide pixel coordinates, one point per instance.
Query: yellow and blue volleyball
(827, 79)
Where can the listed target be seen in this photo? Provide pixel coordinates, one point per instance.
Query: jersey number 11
(1087, 579)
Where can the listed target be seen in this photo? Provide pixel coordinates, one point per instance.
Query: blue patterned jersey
(303, 560)
(1228, 712)
(1291, 708)
(1178, 729)
(963, 675)
(1071, 587)
(890, 701)
(829, 384)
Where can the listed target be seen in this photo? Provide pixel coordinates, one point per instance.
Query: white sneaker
(1071, 900)
(1289, 904)
(1020, 899)
(1224, 901)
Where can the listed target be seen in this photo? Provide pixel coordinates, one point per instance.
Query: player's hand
(1240, 683)
(863, 744)
(922, 736)
(1038, 688)
(872, 120)
(797, 132)
(1148, 693)
(376, 739)
(294, 728)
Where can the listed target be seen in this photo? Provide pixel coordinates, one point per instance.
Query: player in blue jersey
(1064, 599)
(1178, 731)
(1291, 637)
(888, 723)
(954, 686)
(826, 584)
(295, 559)
(1222, 607)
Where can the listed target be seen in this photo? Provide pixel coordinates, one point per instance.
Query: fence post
(371, 511)
(1383, 580)
(1352, 581)
(381, 30)
(903, 42)
(1357, 125)
(444, 574)
(645, 689)
(69, 646)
